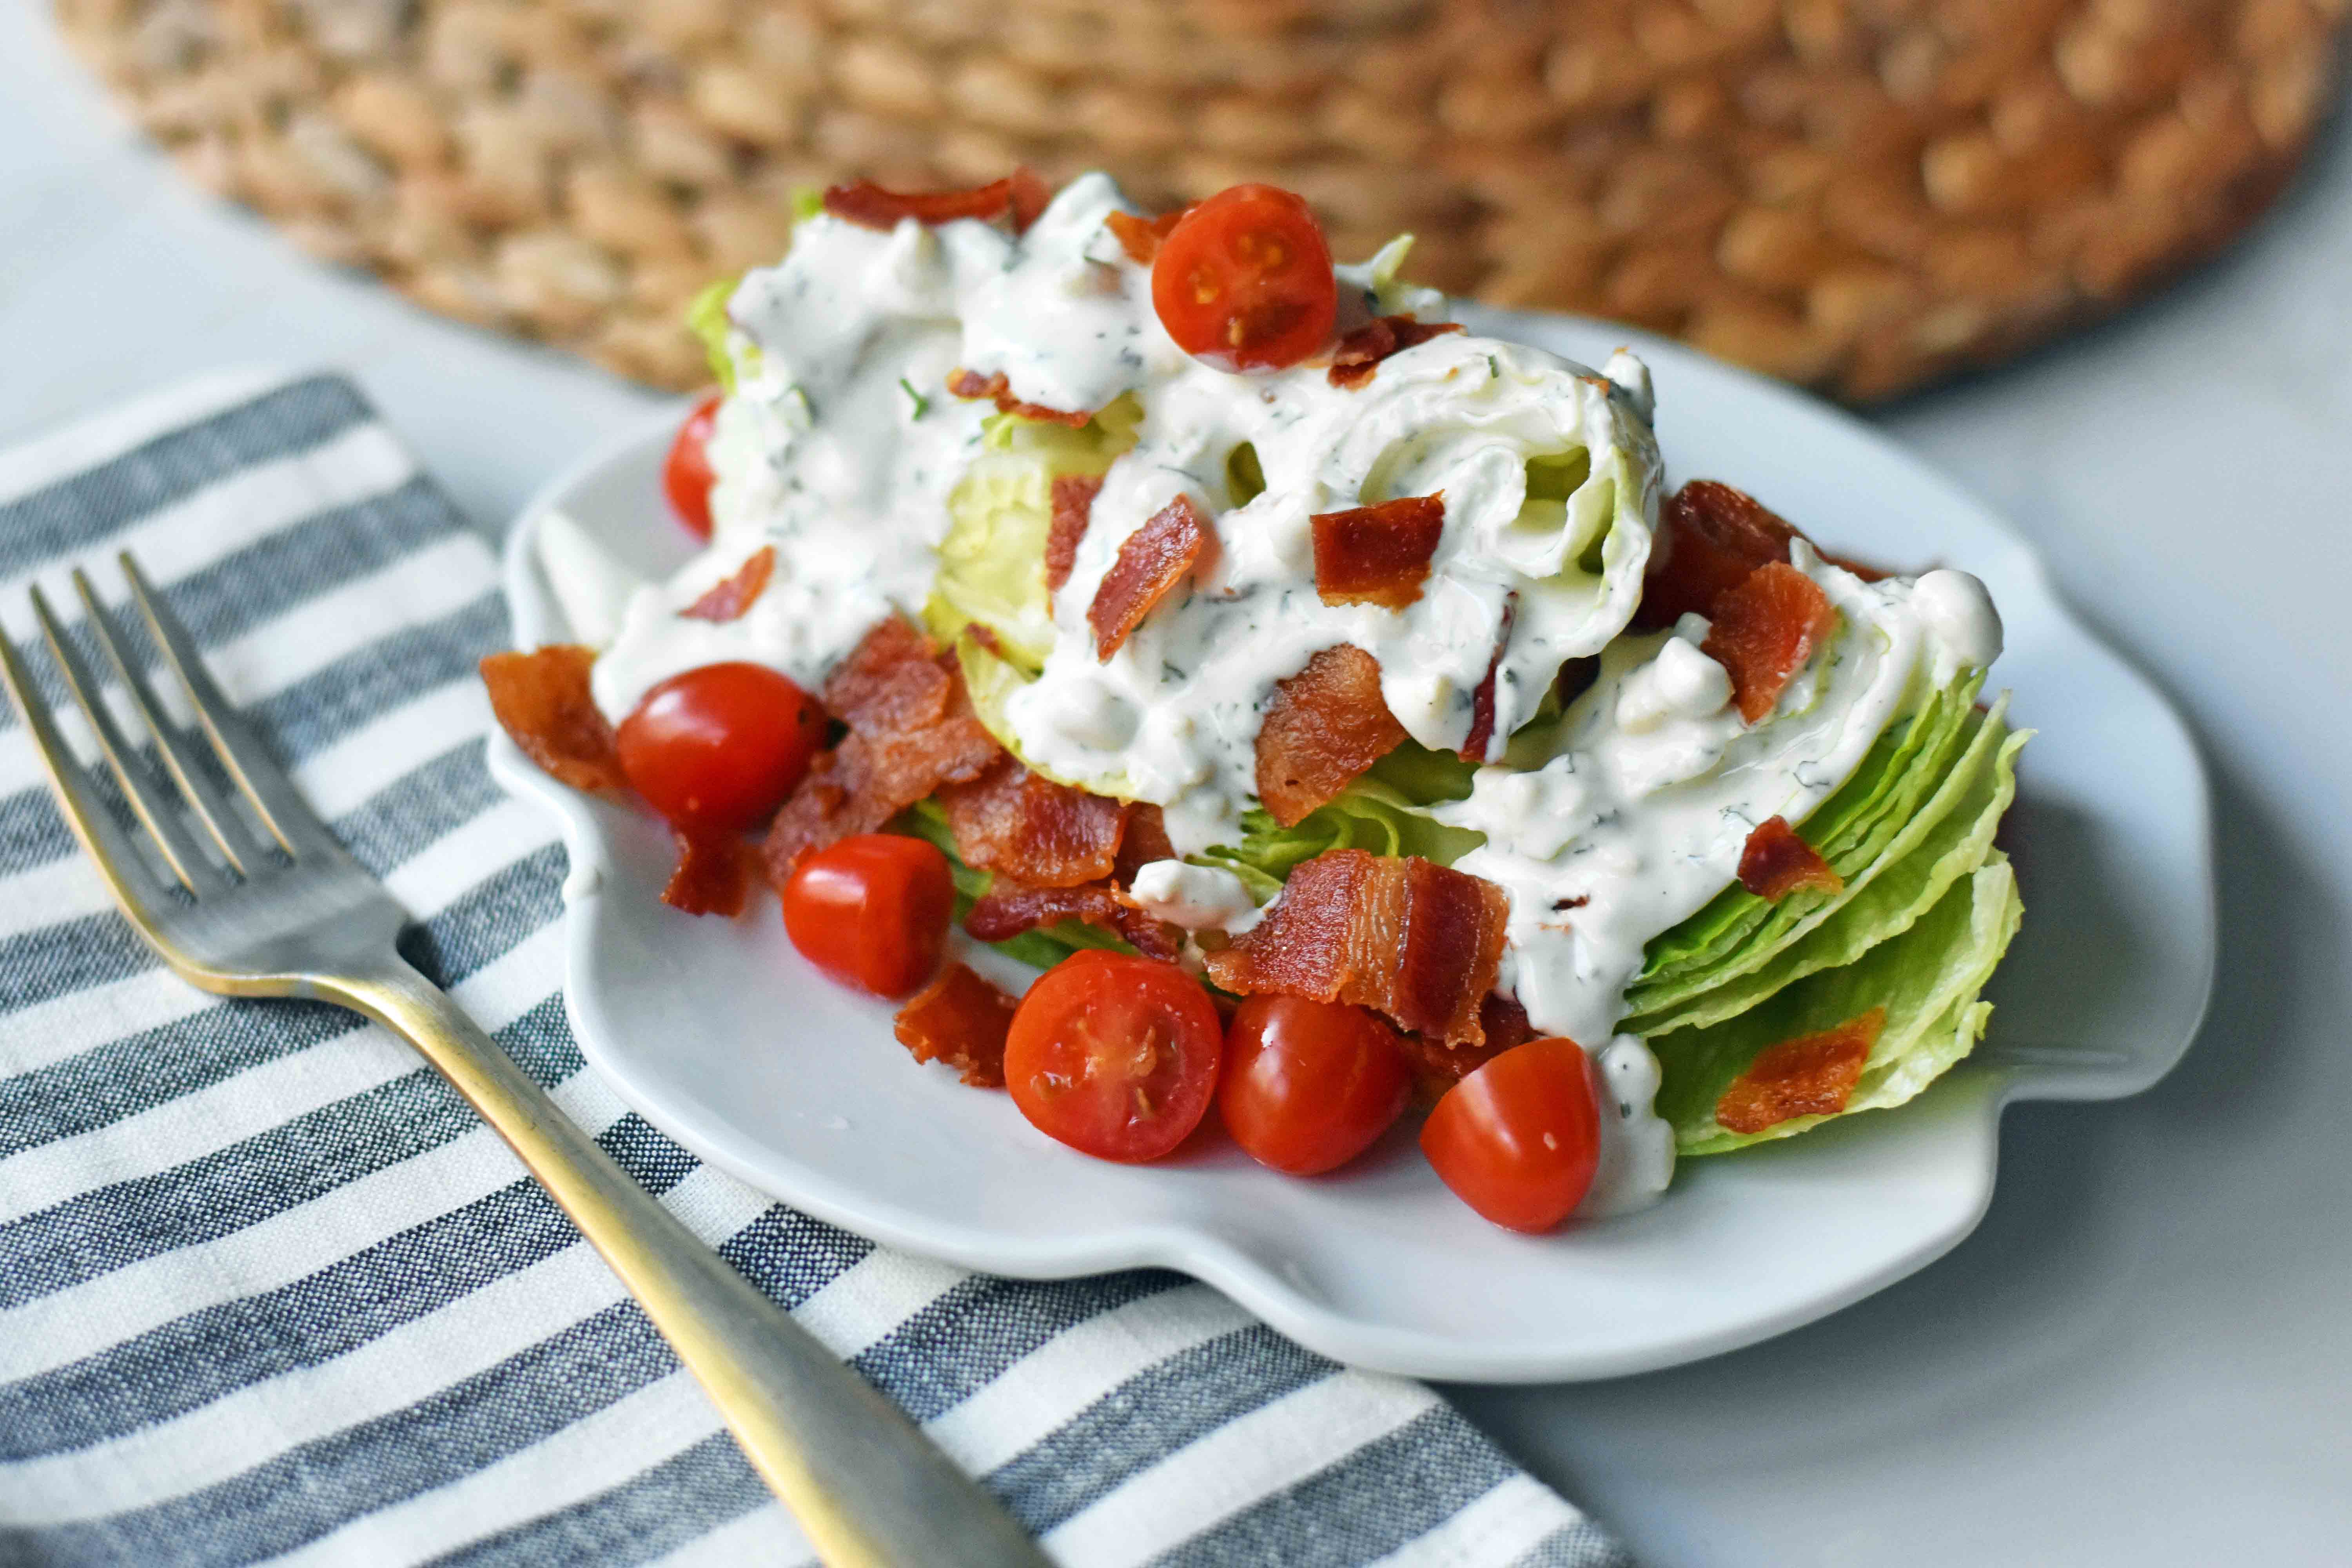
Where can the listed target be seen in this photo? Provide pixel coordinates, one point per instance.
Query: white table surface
(2145, 1356)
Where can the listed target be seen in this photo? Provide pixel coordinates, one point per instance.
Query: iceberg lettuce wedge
(1927, 978)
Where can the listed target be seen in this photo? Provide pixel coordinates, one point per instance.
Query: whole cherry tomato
(1308, 1085)
(872, 912)
(1245, 282)
(1519, 1140)
(719, 747)
(686, 472)
(1116, 1057)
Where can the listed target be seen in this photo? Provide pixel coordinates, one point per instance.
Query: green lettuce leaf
(1382, 812)
(705, 318)
(1927, 978)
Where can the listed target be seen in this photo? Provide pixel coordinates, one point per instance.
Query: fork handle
(868, 1489)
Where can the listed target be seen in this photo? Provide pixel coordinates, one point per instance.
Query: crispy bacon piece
(1710, 537)
(1141, 237)
(1009, 907)
(1411, 938)
(1074, 507)
(1776, 863)
(1151, 561)
(911, 731)
(727, 601)
(1505, 1021)
(1812, 1075)
(1325, 726)
(1021, 197)
(1377, 554)
(1013, 821)
(1763, 632)
(713, 876)
(1144, 841)
(1028, 198)
(1361, 351)
(996, 389)
(1481, 737)
(961, 1019)
(541, 700)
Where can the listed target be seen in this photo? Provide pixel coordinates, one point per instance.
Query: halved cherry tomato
(1308, 1085)
(686, 472)
(1244, 280)
(719, 747)
(1519, 1140)
(872, 912)
(1116, 1057)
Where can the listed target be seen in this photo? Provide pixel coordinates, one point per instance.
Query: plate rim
(1995, 1079)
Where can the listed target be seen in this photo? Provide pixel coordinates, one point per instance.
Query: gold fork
(285, 910)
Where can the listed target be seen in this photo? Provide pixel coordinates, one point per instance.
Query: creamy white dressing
(1196, 898)
(841, 446)
(1637, 1145)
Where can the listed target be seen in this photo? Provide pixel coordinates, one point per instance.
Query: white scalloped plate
(720, 1035)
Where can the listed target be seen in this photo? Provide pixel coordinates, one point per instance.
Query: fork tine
(102, 838)
(228, 831)
(271, 794)
(151, 804)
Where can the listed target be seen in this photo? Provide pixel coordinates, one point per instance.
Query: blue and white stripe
(270, 1293)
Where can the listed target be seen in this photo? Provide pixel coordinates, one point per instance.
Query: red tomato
(1308, 1085)
(1519, 1138)
(686, 472)
(1244, 280)
(1116, 1057)
(872, 912)
(718, 748)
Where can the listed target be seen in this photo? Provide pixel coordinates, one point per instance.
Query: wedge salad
(1338, 706)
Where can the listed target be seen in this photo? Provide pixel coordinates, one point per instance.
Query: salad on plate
(1338, 707)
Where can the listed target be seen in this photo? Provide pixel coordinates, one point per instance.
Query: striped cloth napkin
(269, 1291)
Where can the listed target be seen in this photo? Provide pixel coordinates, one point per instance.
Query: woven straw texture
(1862, 195)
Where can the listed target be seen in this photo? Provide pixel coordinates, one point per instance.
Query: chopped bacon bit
(1812, 1075)
(727, 601)
(998, 390)
(961, 1019)
(1436, 1067)
(713, 876)
(1028, 199)
(1411, 938)
(985, 635)
(1764, 631)
(1710, 537)
(1377, 554)
(542, 701)
(1074, 507)
(1144, 841)
(911, 731)
(1325, 726)
(1776, 863)
(1021, 197)
(1151, 561)
(1008, 908)
(1140, 238)
(1481, 737)
(1505, 1021)
(1361, 351)
(1047, 834)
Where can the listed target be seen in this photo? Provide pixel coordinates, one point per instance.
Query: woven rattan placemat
(1859, 194)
